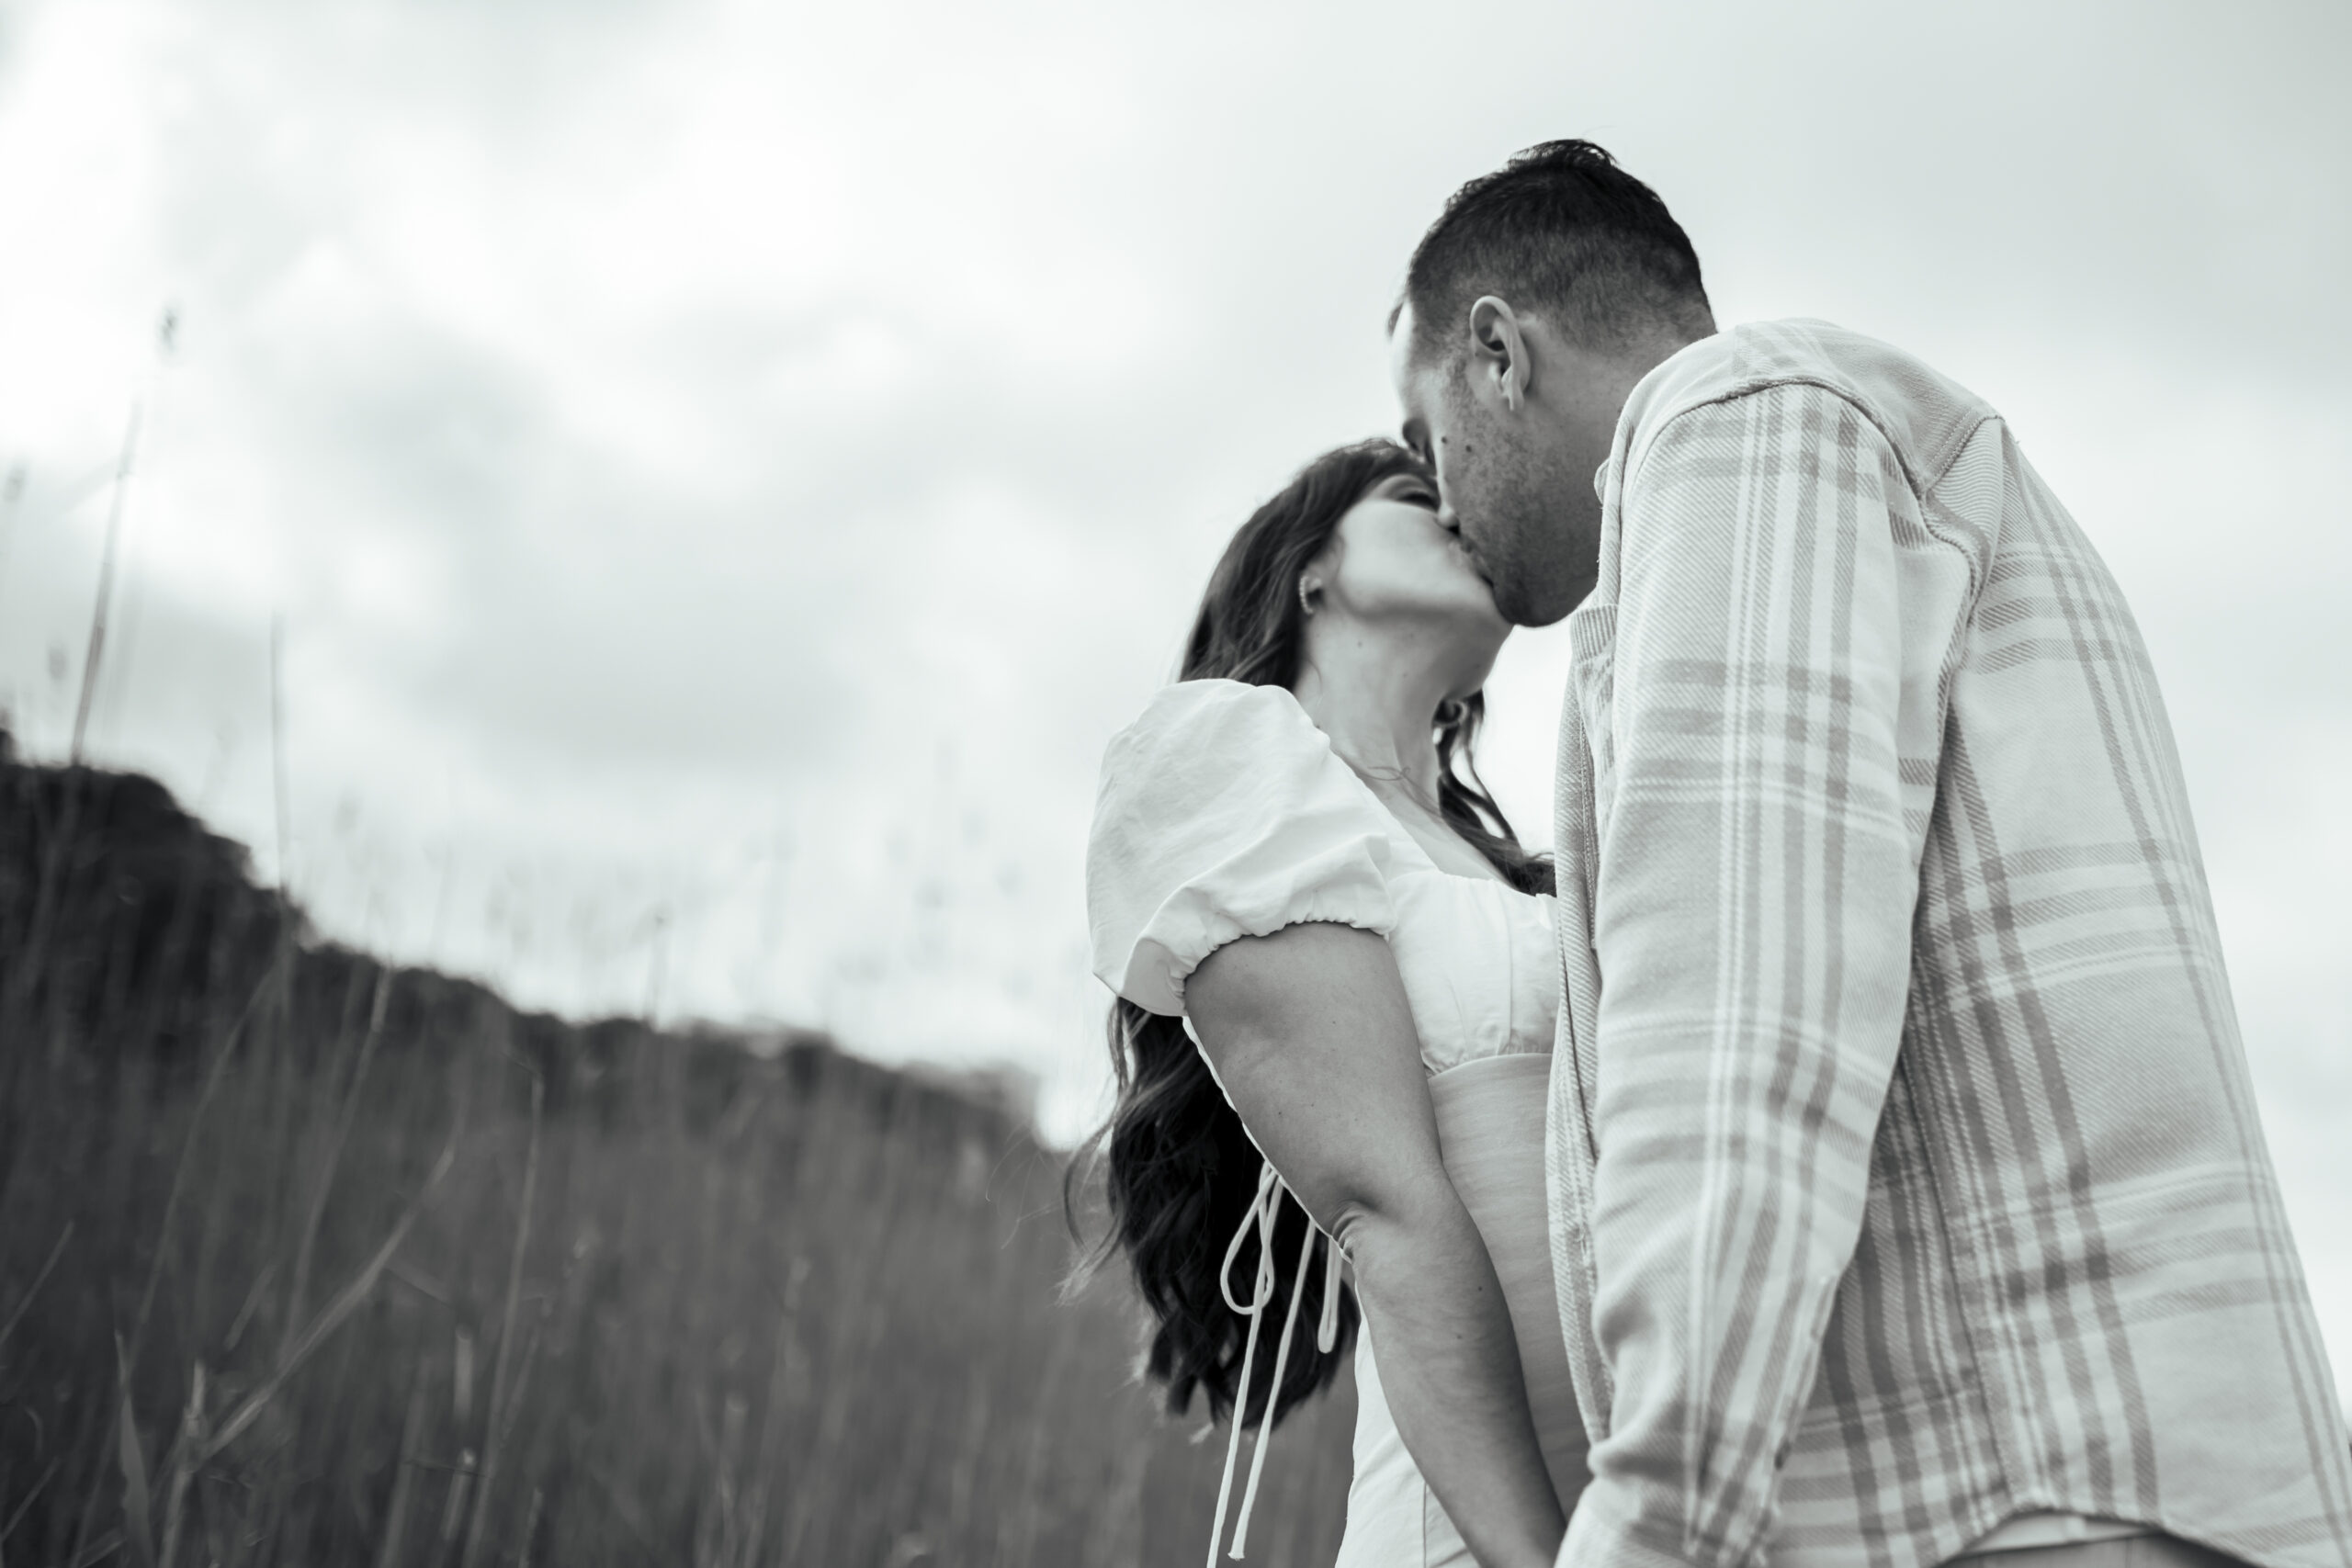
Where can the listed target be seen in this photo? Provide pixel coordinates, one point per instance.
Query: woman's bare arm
(1310, 1033)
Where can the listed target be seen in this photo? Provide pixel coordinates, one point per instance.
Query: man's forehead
(1400, 350)
(1400, 324)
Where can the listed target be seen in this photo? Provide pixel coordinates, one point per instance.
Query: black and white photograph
(1052, 786)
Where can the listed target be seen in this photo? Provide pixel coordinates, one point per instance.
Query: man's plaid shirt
(1905, 1169)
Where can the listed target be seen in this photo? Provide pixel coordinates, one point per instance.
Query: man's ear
(1501, 369)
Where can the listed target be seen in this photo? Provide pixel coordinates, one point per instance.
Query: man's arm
(1754, 899)
(1311, 1037)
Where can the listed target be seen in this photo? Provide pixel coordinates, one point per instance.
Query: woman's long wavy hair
(1179, 1171)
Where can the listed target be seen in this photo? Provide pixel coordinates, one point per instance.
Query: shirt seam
(1919, 476)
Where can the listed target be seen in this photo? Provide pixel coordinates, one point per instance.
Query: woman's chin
(1473, 654)
(1486, 617)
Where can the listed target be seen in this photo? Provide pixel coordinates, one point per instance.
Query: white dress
(1224, 812)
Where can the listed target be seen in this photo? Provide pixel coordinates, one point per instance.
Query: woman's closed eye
(1413, 490)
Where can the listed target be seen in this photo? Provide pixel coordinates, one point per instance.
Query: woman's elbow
(1394, 1230)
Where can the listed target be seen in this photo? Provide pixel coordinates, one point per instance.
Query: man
(1907, 1193)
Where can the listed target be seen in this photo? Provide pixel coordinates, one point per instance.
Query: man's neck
(1600, 383)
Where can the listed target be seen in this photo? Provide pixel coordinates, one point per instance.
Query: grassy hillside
(308, 1261)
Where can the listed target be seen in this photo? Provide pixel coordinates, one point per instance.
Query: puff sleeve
(1223, 813)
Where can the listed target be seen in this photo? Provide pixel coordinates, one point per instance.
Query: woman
(1299, 813)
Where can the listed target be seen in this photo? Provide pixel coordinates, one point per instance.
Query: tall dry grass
(305, 1260)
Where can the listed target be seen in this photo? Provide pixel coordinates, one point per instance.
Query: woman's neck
(1380, 711)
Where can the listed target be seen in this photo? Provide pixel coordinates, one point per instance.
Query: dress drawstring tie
(1263, 1210)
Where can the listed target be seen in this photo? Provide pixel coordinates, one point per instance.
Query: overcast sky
(725, 468)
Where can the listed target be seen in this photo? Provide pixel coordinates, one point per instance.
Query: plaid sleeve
(1752, 910)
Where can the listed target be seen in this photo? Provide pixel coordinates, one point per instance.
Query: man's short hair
(1561, 232)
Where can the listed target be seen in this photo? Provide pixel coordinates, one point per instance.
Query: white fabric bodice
(1476, 958)
(1223, 813)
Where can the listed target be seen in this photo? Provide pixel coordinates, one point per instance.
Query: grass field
(306, 1261)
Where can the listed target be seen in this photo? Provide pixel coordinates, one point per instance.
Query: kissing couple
(1839, 1153)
